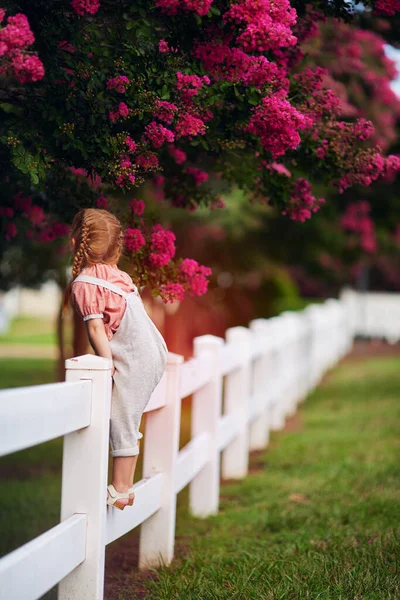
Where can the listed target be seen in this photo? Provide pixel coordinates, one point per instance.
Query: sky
(394, 54)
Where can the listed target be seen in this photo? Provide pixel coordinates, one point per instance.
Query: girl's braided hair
(96, 237)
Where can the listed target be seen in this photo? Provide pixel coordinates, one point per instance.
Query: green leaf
(130, 25)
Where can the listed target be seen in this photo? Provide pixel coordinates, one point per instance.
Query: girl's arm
(98, 338)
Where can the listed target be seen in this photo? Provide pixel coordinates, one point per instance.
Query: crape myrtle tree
(356, 238)
(190, 96)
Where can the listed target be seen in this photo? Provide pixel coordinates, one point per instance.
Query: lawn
(318, 516)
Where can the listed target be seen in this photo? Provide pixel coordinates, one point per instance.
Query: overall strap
(102, 283)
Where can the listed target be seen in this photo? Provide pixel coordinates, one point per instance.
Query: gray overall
(140, 356)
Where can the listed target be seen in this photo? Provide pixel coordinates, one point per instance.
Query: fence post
(206, 411)
(157, 534)
(235, 457)
(259, 429)
(84, 478)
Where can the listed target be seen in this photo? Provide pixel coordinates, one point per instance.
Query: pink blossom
(190, 85)
(130, 144)
(172, 7)
(356, 218)
(165, 111)
(198, 283)
(6, 211)
(136, 206)
(163, 46)
(102, 202)
(219, 203)
(35, 214)
(276, 122)
(125, 162)
(121, 111)
(119, 83)
(81, 7)
(134, 240)
(178, 155)
(172, 292)
(158, 260)
(189, 126)
(163, 241)
(158, 134)
(147, 160)
(61, 229)
(198, 175)
(11, 231)
(267, 25)
(17, 34)
(189, 266)
(302, 203)
(387, 7)
(235, 65)
(27, 68)
(281, 169)
(158, 180)
(22, 203)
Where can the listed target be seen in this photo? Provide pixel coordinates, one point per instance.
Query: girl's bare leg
(134, 466)
(123, 466)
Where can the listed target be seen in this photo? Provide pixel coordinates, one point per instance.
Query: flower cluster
(162, 247)
(178, 155)
(133, 240)
(190, 85)
(130, 144)
(119, 83)
(163, 47)
(276, 122)
(267, 25)
(356, 218)
(83, 7)
(15, 37)
(121, 112)
(152, 251)
(165, 111)
(302, 203)
(158, 134)
(234, 65)
(388, 8)
(198, 175)
(195, 276)
(189, 126)
(136, 206)
(172, 7)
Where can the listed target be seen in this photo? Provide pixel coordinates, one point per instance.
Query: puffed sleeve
(88, 300)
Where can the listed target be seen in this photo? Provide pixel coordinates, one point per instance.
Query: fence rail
(242, 388)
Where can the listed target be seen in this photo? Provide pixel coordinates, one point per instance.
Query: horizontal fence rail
(242, 388)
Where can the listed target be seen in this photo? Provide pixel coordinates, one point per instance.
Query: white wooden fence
(258, 375)
(374, 314)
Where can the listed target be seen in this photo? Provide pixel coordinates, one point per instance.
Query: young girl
(119, 328)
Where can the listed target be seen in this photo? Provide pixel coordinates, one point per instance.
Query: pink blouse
(95, 302)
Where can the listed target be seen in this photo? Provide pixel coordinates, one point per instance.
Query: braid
(82, 251)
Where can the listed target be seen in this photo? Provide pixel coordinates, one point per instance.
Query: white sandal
(131, 493)
(114, 497)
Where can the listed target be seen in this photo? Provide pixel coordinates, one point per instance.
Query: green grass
(27, 330)
(318, 519)
(18, 372)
